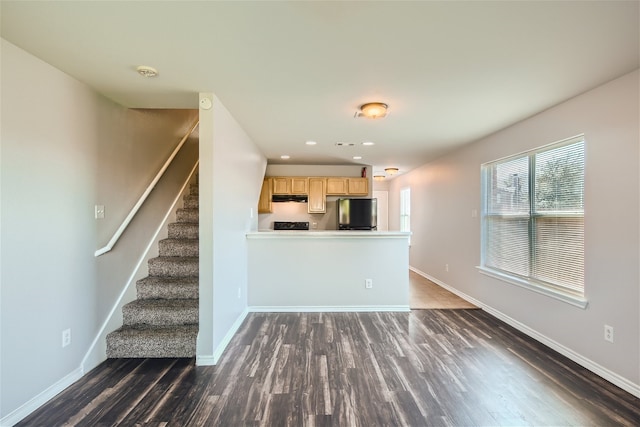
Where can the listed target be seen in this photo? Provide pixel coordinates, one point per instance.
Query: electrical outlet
(608, 333)
(368, 283)
(99, 211)
(446, 267)
(66, 337)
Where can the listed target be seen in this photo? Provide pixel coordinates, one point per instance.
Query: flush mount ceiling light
(357, 157)
(285, 157)
(311, 143)
(378, 177)
(368, 143)
(372, 110)
(391, 171)
(146, 71)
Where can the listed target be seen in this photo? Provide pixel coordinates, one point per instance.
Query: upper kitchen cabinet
(317, 196)
(358, 186)
(264, 204)
(290, 185)
(347, 187)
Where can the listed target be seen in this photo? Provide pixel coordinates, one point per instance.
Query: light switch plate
(99, 211)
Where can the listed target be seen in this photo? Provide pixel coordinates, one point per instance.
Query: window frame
(405, 211)
(560, 292)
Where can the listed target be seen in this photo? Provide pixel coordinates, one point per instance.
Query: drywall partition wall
(231, 172)
(62, 155)
(446, 192)
(48, 234)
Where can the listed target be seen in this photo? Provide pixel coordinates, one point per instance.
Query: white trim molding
(37, 401)
(327, 309)
(592, 366)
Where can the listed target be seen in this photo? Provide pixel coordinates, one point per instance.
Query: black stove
(282, 225)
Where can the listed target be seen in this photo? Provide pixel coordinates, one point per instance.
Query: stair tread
(167, 280)
(163, 304)
(175, 259)
(156, 330)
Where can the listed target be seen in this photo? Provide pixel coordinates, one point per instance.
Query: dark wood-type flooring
(423, 368)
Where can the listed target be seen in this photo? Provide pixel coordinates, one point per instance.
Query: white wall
(64, 149)
(444, 193)
(327, 271)
(231, 173)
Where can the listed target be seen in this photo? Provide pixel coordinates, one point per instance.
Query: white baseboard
(23, 411)
(211, 360)
(229, 335)
(597, 369)
(327, 308)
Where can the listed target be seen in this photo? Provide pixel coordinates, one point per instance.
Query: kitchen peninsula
(328, 271)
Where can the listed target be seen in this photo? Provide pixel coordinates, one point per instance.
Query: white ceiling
(289, 72)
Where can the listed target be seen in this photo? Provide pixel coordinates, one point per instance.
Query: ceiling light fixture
(311, 143)
(391, 171)
(378, 177)
(357, 157)
(146, 71)
(368, 143)
(285, 157)
(372, 110)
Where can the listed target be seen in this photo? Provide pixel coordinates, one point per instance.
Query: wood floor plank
(423, 368)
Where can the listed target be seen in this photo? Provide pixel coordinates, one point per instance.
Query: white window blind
(533, 216)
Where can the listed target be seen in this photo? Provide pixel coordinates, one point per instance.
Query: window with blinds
(533, 216)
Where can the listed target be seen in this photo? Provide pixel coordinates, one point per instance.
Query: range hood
(299, 198)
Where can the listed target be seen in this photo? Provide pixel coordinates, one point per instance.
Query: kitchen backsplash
(291, 211)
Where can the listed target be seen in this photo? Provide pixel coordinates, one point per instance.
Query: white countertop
(331, 234)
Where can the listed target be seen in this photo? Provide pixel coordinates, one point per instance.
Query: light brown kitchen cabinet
(337, 186)
(358, 186)
(317, 195)
(347, 186)
(289, 185)
(299, 185)
(264, 203)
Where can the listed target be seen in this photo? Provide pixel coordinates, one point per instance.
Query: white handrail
(144, 196)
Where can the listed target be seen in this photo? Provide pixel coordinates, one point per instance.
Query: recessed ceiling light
(285, 157)
(357, 157)
(311, 143)
(368, 143)
(146, 71)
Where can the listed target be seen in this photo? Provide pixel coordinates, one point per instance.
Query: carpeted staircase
(163, 320)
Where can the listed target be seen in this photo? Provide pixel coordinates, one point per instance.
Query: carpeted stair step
(183, 230)
(191, 201)
(167, 288)
(187, 215)
(194, 189)
(148, 341)
(160, 312)
(178, 247)
(174, 266)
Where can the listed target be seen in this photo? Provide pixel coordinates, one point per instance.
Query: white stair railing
(144, 196)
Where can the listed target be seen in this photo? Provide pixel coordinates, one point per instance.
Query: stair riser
(183, 231)
(173, 269)
(179, 248)
(162, 291)
(120, 346)
(157, 317)
(194, 189)
(191, 201)
(187, 215)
